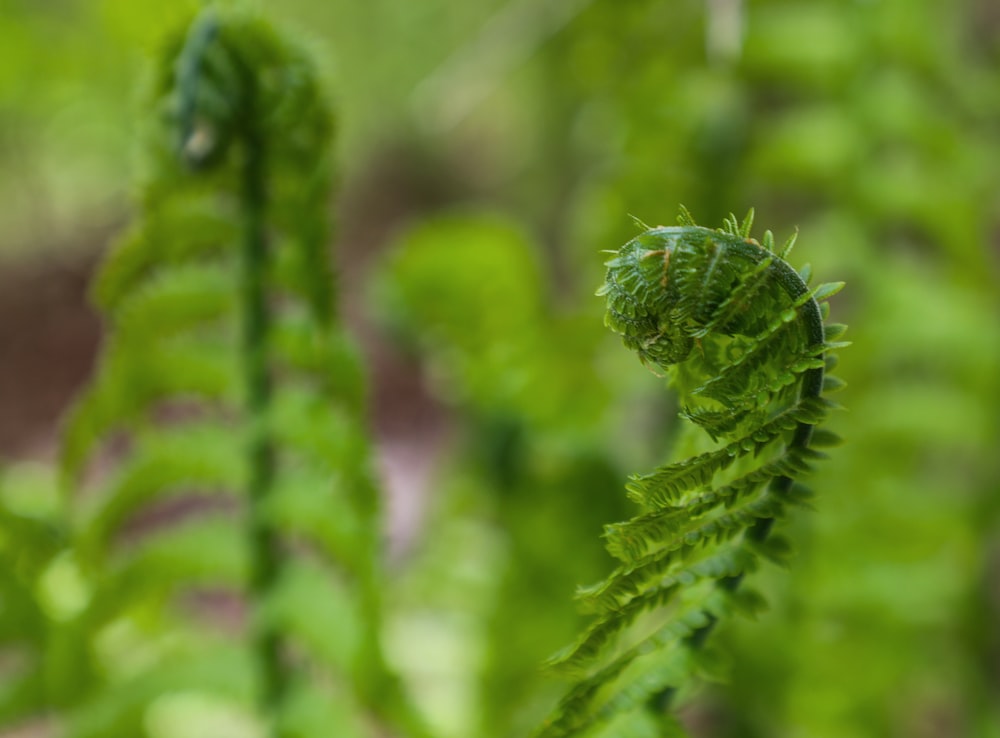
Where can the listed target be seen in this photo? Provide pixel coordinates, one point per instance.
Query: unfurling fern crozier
(742, 336)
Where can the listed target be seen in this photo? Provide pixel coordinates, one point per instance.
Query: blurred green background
(488, 151)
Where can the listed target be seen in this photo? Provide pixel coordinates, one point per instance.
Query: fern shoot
(231, 402)
(742, 337)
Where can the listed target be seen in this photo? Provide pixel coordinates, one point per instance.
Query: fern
(219, 447)
(743, 339)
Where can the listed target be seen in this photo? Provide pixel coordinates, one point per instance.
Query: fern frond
(659, 662)
(743, 339)
(204, 551)
(202, 456)
(324, 435)
(629, 540)
(199, 231)
(300, 506)
(320, 614)
(221, 442)
(667, 484)
(174, 301)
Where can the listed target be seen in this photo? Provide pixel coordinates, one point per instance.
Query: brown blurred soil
(48, 341)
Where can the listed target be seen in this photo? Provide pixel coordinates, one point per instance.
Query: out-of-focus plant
(38, 592)
(225, 514)
(533, 403)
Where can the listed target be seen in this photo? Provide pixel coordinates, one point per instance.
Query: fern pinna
(228, 406)
(743, 339)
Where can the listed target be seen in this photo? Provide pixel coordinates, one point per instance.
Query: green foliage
(37, 591)
(872, 126)
(716, 309)
(219, 451)
(493, 338)
(493, 345)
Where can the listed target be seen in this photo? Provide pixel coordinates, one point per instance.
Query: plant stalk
(264, 553)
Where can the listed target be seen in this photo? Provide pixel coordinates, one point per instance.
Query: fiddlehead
(238, 397)
(742, 337)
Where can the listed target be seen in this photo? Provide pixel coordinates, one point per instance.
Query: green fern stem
(264, 554)
(254, 263)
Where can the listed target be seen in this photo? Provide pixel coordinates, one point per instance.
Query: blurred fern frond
(219, 454)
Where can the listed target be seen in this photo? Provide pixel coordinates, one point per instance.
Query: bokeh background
(488, 151)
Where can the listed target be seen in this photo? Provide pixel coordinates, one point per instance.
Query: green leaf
(827, 290)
